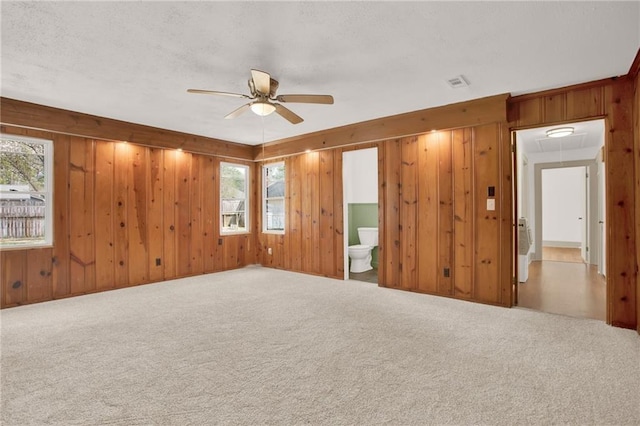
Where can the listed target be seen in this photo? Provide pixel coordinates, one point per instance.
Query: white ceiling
(134, 61)
(583, 144)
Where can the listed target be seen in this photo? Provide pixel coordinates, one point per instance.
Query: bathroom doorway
(360, 189)
(560, 197)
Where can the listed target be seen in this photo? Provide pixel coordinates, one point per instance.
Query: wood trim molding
(560, 90)
(463, 114)
(40, 117)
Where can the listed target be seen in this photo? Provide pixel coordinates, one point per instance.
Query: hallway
(567, 287)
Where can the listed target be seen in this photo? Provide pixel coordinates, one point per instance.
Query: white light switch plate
(491, 203)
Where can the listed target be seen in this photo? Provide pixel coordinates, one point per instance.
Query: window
(234, 198)
(273, 198)
(26, 184)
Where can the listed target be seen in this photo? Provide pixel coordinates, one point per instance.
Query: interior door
(584, 218)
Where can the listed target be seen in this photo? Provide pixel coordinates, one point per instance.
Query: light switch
(491, 203)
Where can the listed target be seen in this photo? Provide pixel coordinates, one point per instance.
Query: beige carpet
(260, 346)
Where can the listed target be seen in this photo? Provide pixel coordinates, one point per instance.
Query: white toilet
(360, 254)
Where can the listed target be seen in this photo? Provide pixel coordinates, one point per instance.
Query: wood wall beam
(34, 116)
(491, 109)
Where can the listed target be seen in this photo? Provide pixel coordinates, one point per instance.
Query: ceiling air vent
(458, 81)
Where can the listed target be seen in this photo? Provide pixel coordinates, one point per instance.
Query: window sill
(232, 233)
(273, 232)
(25, 247)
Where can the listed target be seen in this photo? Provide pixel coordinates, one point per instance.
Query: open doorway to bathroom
(561, 199)
(360, 189)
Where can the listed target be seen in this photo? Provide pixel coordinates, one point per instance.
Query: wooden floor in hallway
(570, 288)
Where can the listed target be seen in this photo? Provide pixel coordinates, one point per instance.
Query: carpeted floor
(261, 346)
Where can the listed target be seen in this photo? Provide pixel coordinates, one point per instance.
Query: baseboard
(563, 244)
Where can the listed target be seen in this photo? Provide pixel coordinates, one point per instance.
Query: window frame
(247, 205)
(48, 239)
(265, 167)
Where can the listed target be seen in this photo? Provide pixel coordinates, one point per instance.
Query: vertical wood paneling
(293, 168)
(408, 212)
(326, 255)
(81, 237)
(169, 214)
(120, 229)
(218, 254)
(505, 209)
(155, 224)
(183, 213)
(116, 206)
(486, 280)
(428, 207)
(389, 252)
(210, 221)
(61, 220)
(445, 214)
(38, 275)
(621, 268)
(315, 195)
(104, 217)
(338, 210)
(306, 212)
(14, 290)
(554, 106)
(585, 103)
(195, 208)
(137, 216)
(462, 145)
(636, 143)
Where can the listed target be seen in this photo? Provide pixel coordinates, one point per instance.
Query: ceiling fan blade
(289, 115)
(306, 99)
(237, 112)
(213, 92)
(262, 81)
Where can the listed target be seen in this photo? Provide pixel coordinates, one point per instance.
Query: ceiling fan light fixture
(559, 132)
(262, 108)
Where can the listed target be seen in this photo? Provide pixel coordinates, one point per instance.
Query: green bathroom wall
(362, 215)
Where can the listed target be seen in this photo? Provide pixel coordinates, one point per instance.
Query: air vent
(458, 81)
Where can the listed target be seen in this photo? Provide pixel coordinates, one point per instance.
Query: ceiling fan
(263, 96)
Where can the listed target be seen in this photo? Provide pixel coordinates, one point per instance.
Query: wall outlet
(447, 273)
(491, 203)
(269, 250)
(158, 261)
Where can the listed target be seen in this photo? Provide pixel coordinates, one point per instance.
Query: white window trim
(247, 205)
(264, 201)
(48, 191)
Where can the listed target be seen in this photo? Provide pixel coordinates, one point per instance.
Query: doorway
(360, 189)
(560, 195)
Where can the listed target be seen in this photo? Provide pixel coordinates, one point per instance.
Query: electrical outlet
(447, 273)
(219, 241)
(158, 261)
(269, 250)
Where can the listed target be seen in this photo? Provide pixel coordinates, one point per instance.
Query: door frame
(592, 208)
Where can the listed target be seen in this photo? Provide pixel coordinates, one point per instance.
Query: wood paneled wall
(313, 239)
(438, 236)
(613, 100)
(124, 215)
(636, 137)
(432, 215)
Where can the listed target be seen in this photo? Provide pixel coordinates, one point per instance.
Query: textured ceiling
(134, 61)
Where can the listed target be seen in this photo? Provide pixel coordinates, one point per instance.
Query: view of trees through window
(24, 190)
(234, 197)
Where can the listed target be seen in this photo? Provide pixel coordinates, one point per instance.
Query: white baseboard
(565, 244)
